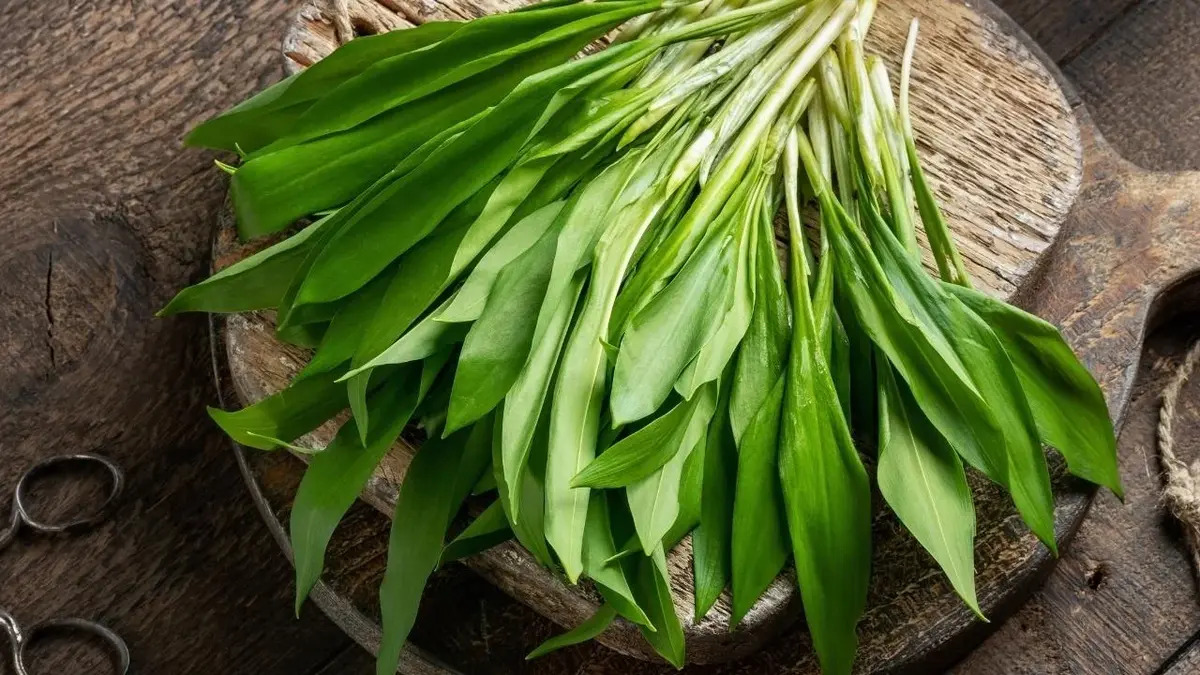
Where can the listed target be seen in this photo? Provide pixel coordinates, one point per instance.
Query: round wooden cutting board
(1045, 214)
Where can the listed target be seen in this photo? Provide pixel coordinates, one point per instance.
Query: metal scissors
(20, 640)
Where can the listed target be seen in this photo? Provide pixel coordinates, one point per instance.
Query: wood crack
(49, 310)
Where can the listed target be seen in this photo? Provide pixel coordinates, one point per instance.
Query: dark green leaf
(922, 479)
(711, 540)
(257, 282)
(609, 574)
(643, 452)
(336, 477)
(489, 529)
(428, 498)
(287, 415)
(270, 114)
(585, 631)
(759, 536)
(653, 588)
(1067, 404)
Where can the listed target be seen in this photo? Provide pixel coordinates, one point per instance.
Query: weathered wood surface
(95, 98)
(1064, 29)
(976, 166)
(105, 215)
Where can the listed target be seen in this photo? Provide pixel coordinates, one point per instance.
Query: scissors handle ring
(20, 640)
(116, 486)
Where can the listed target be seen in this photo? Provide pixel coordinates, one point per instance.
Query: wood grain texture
(1004, 214)
(1064, 29)
(105, 215)
(1142, 78)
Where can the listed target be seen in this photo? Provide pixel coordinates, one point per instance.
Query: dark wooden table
(105, 215)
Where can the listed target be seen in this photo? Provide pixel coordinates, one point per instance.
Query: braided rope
(1181, 491)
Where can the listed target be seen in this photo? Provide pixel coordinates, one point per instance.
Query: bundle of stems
(565, 273)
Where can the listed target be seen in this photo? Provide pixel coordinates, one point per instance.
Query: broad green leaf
(760, 546)
(421, 341)
(351, 168)
(335, 478)
(524, 403)
(719, 349)
(691, 498)
(643, 452)
(287, 415)
(345, 330)
(489, 529)
(487, 45)
(668, 333)
(654, 500)
(990, 369)
(653, 588)
(498, 345)
(711, 540)
(580, 388)
(469, 301)
(527, 520)
(609, 574)
(486, 484)
(428, 498)
(1067, 404)
(922, 480)
(920, 353)
(265, 117)
(422, 276)
(590, 629)
(404, 212)
(257, 282)
(826, 493)
(763, 351)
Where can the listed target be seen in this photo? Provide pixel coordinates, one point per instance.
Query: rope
(1182, 490)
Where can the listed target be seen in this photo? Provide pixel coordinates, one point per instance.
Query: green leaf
(469, 301)
(524, 403)
(527, 520)
(342, 337)
(256, 282)
(669, 332)
(764, 349)
(580, 384)
(643, 452)
(719, 349)
(404, 212)
(653, 587)
(1067, 404)
(826, 492)
(287, 415)
(489, 529)
(922, 479)
(421, 341)
(711, 540)
(654, 500)
(990, 369)
(585, 631)
(759, 537)
(335, 478)
(428, 498)
(267, 116)
(487, 45)
(486, 484)
(497, 346)
(270, 191)
(422, 276)
(608, 573)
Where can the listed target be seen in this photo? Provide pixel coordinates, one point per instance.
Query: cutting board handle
(1129, 245)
